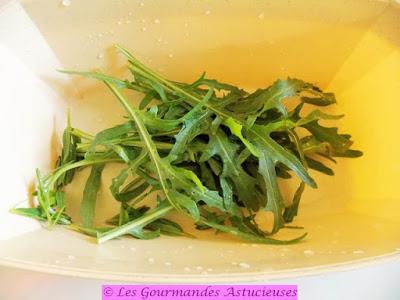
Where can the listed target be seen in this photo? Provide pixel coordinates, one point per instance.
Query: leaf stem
(140, 222)
(78, 164)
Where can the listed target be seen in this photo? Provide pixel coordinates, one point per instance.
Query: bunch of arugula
(209, 150)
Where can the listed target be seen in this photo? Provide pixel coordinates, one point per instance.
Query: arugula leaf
(131, 191)
(37, 213)
(319, 166)
(142, 234)
(187, 203)
(140, 222)
(338, 142)
(168, 227)
(250, 237)
(291, 211)
(220, 145)
(191, 128)
(103, 137)
(317, 115)
(279, 154)
(274, 197)
(88, 204)
(68, 153)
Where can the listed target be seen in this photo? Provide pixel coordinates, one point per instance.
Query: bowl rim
(262, 276)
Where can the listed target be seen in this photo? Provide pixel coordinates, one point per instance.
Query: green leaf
(251, 237)
(320, 99)
(219, 145)
(311, 145)
(60, 198)
(147, 99)
(31, 212)
(131, 191)
(123, 214)
(317, 115)
(130, 214)
(325, 134)
(191, 128)
(236, 129)
(68, 154)
(278, 154)
(143, 234)
(156, 124)
(190, 175)
(109, 134)
(263, 100)
(140, 222)
(167, 227)
(210, 197)
(291, 211)
(197, 108)
(187, 203)
(207, 176)
(348, 153)
(274, 197)
(227, 192)
(319, 166)
(88, 203)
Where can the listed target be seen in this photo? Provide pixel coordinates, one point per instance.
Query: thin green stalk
(82, 163)
(84, 147)
(140, 222)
